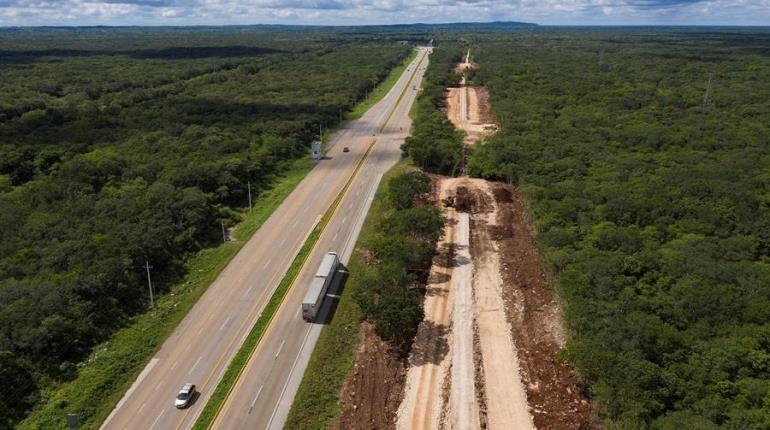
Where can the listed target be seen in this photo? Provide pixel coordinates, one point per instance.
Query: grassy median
(238, 363)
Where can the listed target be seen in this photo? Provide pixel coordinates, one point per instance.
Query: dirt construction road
(429, 360)
(463, 404)
(505, 398)
(203, 344)
(447, 384)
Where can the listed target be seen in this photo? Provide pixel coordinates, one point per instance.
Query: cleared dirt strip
(506, 400)
(463, 407)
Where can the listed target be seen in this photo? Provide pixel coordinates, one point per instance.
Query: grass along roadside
(238, 364)
(115, 364)
(382, 88)
(316, 405)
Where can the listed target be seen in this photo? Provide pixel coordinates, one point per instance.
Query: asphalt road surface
(202, 346)
(262, 397)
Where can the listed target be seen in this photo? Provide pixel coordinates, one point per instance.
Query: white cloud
(575, 12)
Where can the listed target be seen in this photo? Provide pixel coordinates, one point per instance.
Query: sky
(357, 12)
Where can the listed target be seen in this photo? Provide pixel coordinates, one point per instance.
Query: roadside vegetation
(127, 146)
(435, 145)
(114, 364)
(644, 156)
(382, 89)
(240, 360)
(389, 264)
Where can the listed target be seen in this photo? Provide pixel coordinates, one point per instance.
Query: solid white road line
(136, 383)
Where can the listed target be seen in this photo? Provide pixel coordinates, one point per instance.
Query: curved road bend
(203, 344)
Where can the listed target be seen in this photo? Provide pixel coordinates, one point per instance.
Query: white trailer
(318, 286)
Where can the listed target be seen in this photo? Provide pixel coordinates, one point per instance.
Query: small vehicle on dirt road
(184, 398)
(346, 149)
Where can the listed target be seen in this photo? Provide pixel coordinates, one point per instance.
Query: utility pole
(248, 184)
(224, 235)
(149, 283)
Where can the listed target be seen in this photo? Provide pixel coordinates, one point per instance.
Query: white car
(185, 396)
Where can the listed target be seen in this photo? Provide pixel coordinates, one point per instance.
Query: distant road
(263, 396)
(202, 346)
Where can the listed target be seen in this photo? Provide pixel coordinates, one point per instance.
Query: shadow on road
(329, 307)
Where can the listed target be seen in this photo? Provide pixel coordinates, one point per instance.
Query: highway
(263, 395)
(202, 346)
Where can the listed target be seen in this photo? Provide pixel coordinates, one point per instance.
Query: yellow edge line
(401, 96)
(324, 221)
(322, 224)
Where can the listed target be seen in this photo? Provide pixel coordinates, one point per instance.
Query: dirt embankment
(372, 390)
(554, 391)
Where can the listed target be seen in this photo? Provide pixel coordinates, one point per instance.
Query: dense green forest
(435, 145)
(402, 249)
(120, 146)
(645, 158)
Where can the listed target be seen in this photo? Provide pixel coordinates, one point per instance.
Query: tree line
(389, 294)
(644, 155)
(435, 145)
(115, 159)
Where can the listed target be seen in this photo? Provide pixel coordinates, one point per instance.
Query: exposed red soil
(460, 68)
(484, 110)
(373, 388)
(554, 391)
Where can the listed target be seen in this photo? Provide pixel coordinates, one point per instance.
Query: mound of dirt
(463, 200)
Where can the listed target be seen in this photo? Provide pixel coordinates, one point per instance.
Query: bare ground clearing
(468, 109)
(554, 390)
(372, 390)
(506, 402)
(483, 388)
(429, 359)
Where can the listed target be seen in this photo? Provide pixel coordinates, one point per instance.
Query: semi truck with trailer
(318, 286)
